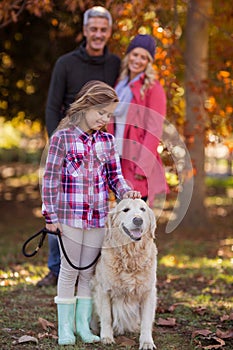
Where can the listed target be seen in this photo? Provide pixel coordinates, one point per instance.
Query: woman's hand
(132, 194)
(54, 227)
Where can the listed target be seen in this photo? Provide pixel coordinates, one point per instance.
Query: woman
(82, 164)
(138, 120)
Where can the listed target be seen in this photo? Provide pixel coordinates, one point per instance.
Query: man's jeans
(54, 254)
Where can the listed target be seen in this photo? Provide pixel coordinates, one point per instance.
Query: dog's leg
(148, 308)
(105, 313)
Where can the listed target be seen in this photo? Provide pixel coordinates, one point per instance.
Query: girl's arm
(52, 179)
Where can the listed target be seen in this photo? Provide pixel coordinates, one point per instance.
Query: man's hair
(97, 11)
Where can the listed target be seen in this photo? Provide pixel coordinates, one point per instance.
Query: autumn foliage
(165, 20)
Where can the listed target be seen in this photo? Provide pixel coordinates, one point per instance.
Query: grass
(195, 280)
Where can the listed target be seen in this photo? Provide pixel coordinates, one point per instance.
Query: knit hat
(144, 41)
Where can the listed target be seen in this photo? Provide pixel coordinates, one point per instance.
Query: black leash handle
(44, 232)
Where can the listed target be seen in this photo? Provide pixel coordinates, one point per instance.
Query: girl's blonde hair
(93, 94)
(149, 73)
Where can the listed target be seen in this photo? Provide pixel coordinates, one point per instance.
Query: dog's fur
(124, 285)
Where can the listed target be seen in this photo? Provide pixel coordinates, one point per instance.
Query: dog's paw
(147, 346)
(107, 340)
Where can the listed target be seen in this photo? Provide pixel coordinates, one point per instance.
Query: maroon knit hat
(144, 41)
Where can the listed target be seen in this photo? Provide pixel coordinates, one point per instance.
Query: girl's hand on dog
(54, 227)
(132, 195)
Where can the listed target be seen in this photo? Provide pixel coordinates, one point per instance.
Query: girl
(82, 164)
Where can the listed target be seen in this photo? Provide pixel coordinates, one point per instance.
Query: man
(90, 61)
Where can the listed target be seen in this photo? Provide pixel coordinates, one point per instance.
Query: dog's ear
(109, 223)
(153, 224)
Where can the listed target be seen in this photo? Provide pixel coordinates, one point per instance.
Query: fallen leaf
(169, 322)
(215, 346)
(200, 310)
(224, 335)
(201, 279)
(203, 332)
(26, 339)
(45, 324)
(47, 335)
(7, 329)
(124, 341)
(226, 317)
(173, 307)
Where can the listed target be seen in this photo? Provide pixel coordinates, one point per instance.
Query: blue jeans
(54, 254)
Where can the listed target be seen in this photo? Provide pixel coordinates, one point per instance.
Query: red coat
(142, 133)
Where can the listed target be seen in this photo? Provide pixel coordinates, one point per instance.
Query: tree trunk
(196, 57)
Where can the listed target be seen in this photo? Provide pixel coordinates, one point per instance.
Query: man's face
(97, 32)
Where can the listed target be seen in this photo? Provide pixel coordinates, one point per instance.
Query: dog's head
(131, 219)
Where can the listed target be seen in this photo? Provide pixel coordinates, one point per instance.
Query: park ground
(195, 279)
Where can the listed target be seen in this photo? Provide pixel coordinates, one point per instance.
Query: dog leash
(43, 232)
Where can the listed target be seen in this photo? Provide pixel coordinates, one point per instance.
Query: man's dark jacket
(70, 73)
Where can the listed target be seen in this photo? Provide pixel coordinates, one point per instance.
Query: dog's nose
(137, 221)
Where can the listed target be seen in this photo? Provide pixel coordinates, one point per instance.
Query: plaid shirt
(79, 171)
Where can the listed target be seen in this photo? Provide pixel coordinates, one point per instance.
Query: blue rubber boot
(83, 318)
(66, 320)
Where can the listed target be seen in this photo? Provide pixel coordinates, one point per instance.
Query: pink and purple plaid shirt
(79, 171)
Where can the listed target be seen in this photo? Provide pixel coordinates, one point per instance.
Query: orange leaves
(229, 144)
(225, 77)
(72, 5)
(39, 7)
(229, 109)
(210, 103)
(10, 10)
(165, 35)
(223, 74)
(127, 9)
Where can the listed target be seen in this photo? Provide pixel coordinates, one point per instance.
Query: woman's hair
(149, 73)
(93, 94)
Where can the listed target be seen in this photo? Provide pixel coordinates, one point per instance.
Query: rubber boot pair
(69, 319)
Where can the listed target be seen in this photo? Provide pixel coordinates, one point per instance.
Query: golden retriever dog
(124, 285)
